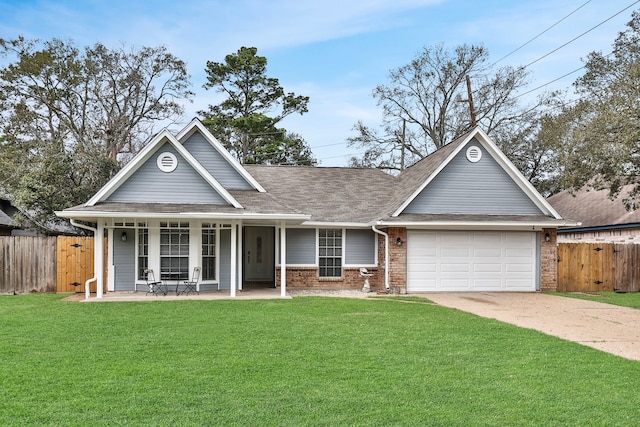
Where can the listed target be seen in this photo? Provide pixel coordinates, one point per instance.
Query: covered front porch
(233, 256)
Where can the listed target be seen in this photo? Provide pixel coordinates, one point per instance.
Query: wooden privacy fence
(46, 264)
(27, 264)
(75, 263)
(589, 267)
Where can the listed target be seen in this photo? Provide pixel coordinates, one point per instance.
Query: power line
(579, 36)
(538, 35)
(548, 83)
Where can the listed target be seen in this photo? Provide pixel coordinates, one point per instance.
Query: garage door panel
(519, 268)
(487, 268)
(446, 251)
(454, 284)
(487, 252)
(469, 261)
(454, 268)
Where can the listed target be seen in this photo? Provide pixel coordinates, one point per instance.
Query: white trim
(196, 124)
(321, 224)
(501, 159)
(283, 259)
(145, 154)
(233, 284)
(183, 215)
(476, 225)
(128, 170)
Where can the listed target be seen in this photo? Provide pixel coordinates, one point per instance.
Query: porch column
(98, 258)
(283, 259)
(234, 259)
(111, 270)
(239, 255)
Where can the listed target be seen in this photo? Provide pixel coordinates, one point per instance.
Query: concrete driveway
(603, 326)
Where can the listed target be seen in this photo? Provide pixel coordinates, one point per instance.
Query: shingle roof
(328, 194)
(594, 207)
(4, 218)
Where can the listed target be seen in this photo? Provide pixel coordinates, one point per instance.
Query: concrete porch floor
(248, 294)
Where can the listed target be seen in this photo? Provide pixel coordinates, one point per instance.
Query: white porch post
(111, 270)
(98, 259)
(234, 259)
(239, 255)
(283, 259)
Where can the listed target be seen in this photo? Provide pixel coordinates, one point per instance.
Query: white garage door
(471, 261)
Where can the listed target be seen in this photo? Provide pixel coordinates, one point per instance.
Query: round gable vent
(474, 154)
(167, 162)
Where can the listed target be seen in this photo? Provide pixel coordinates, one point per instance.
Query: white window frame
(342, 234)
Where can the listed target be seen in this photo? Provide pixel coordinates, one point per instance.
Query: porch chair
(154, 286)
(190, 285)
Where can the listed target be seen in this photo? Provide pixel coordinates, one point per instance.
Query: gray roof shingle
(328, 194)
(594, 207)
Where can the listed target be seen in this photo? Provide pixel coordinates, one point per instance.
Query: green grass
(626, 300)
(307, 361)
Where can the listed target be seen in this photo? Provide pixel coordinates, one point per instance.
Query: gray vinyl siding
(360, 247)
(225, 259)
(215, 163)
(301, 246)
(473, 188)
(150, 185)
(124, 259)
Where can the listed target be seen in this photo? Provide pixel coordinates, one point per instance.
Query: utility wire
(548, 83)
(538, 35)
(586, 32)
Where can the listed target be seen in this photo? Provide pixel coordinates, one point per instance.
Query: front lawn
(626, 300)
(307, 361)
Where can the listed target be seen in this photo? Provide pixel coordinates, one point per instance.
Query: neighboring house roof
(5, 220)
(443, 188)
(594, 208)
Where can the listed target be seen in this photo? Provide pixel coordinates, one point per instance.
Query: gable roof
(145, 154)
(594, 208)
(416, 178)
(328, 194)
(197, 126)
(320, 196)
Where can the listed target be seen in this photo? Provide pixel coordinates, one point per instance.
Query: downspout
(87, 288)
(386, 255)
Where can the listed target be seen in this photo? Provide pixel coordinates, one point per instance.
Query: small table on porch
(169, 277)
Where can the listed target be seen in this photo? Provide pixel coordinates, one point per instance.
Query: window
(174, 250)
(208, 251)
(330, 252)
(143, 251)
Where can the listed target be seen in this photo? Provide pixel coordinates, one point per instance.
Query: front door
(259, 262)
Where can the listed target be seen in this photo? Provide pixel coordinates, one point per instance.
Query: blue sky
(333, 51)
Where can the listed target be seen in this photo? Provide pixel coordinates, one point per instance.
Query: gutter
(87, 291)
(386, 256)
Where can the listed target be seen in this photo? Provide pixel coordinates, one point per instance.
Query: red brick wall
(397, 259)
(548, 260)
(307, 278)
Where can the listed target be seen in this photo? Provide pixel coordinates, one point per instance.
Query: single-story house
(599, 217)
(462, 219)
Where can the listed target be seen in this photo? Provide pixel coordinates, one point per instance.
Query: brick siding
(548, 260)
